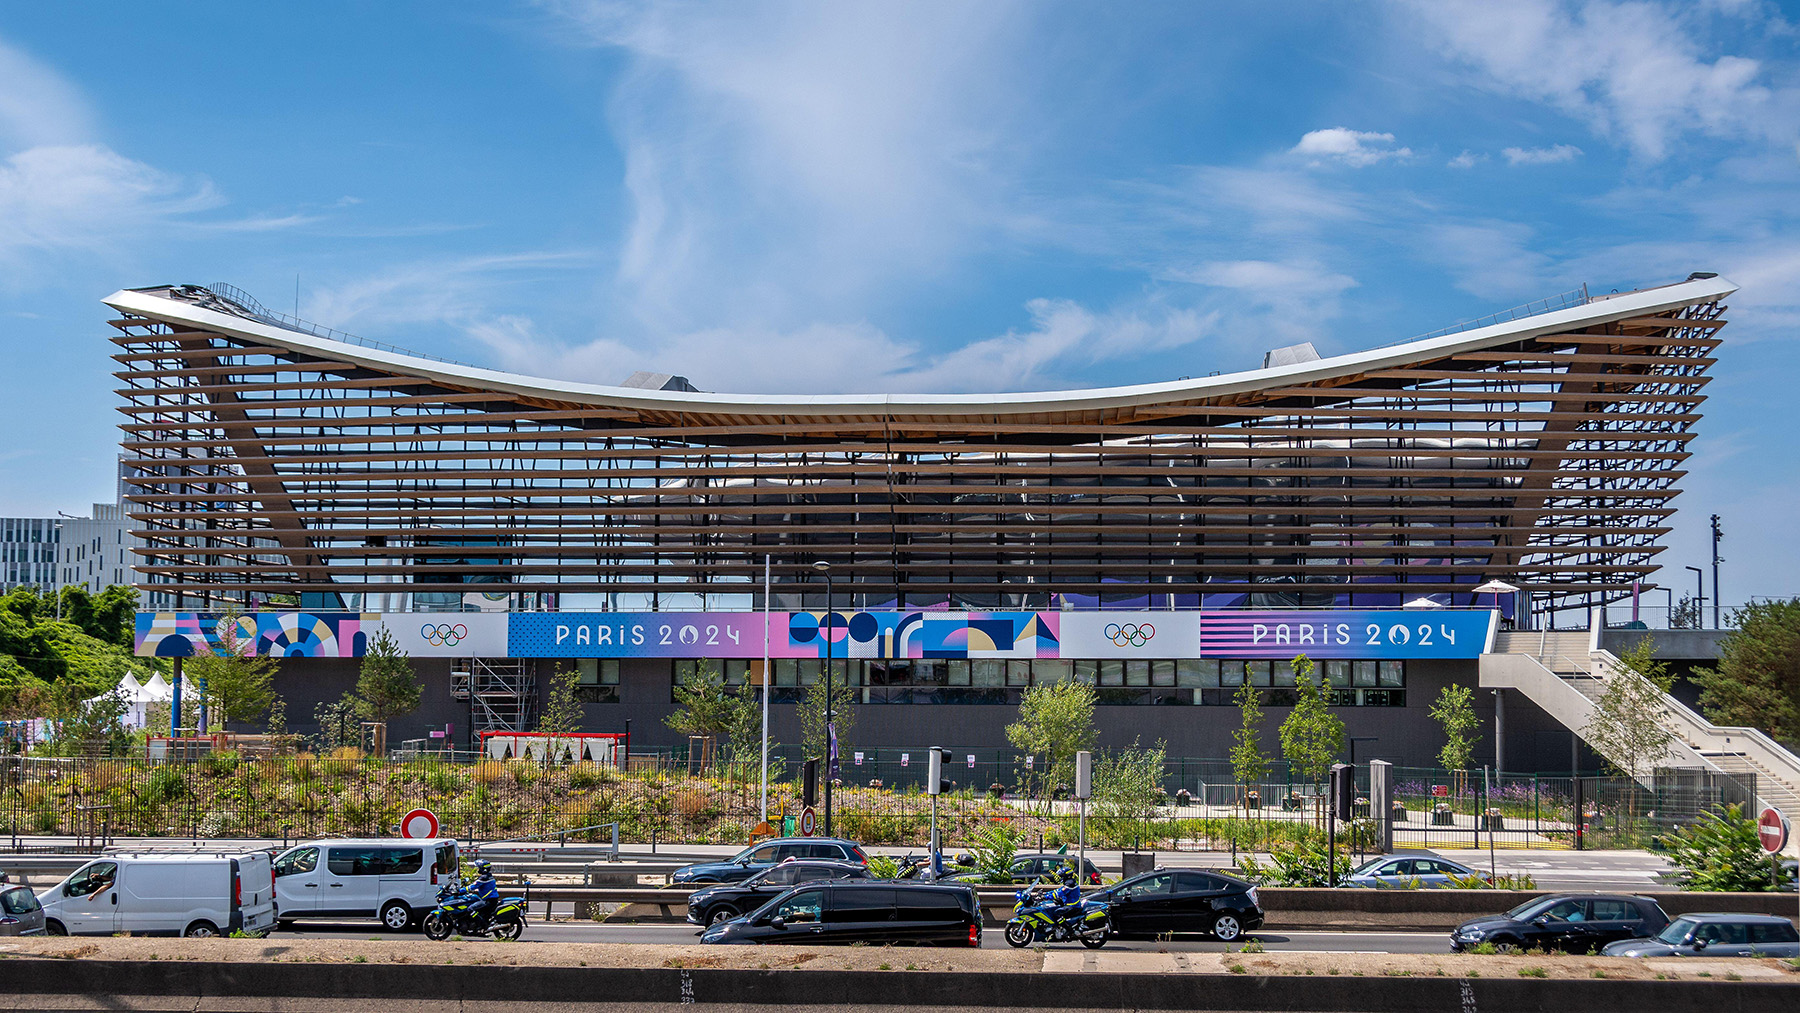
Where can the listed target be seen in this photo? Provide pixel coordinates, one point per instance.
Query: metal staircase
(502, 693)
(1565, 673)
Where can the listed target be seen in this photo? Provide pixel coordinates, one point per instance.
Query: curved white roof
(156, 304)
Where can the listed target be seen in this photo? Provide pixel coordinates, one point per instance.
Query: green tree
(1455, 712)
(239, 683)
(338, 723)
(1627, 725)
(386, 687)
(94, 727)
(1312, 736)
(562, 714)
(706, 706)
(1128, 786)
(1248, 764)
(812, 717)
(1056, 721)
(1720, 851)
(1757, 679)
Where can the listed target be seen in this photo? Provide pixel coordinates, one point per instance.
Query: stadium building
(1167, 541)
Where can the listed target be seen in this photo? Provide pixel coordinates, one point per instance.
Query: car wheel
(396, 916)
(1226, 928)
(201, 930)
(55, 928)
(722, 913)
(1505, 945)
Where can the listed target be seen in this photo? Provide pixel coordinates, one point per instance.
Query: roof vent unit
(1291, 355)
(659, 381)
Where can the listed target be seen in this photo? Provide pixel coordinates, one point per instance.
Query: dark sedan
(728, 900)
(1184, 901)
(758, 857)
(867, 911)
(1573, 923)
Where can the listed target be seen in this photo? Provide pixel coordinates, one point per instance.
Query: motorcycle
(455, 913)
(1039, 917)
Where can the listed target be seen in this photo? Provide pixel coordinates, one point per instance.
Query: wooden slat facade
(1548, 460)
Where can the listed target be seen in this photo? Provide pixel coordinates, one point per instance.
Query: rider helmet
(484, 868)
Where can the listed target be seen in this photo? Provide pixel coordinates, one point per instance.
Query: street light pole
(1700, 593)
(1716, 535)
(830, 735)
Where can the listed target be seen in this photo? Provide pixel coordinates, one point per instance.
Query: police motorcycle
(1058, 915)
(475, 909)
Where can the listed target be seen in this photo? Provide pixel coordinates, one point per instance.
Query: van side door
(90, 900)
(297, 882)
(352, 880)
(869, 915)
(405, 878)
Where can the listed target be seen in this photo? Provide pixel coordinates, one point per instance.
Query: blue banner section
(1398, 634)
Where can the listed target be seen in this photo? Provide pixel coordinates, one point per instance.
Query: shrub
(587, 775)
(883, 867)
(165, 786)
(219, 763)
(486, 772)
(1299, 865)
(1719, 851)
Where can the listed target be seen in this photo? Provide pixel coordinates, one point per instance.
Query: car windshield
(1676, 932)
(1369, 866)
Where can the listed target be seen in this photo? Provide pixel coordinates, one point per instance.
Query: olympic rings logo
(443, 634)
(1130, 634)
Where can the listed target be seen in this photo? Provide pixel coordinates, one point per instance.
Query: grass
(1484, 949)
(1253, 946)
(1533, 972)
(1236, 969)
(1596, 973)
(886, 967)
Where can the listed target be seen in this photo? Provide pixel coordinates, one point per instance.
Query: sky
(814, 197)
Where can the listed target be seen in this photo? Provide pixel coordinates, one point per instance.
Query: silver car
(1404, 871)
(1715, 935)
(20, 912)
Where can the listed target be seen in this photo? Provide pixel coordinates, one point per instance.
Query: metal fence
(879, 801)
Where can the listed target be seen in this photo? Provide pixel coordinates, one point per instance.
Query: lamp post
(830, 735)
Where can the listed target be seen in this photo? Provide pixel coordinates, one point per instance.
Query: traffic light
(935, 784)
(1343, 790)
(809, 783)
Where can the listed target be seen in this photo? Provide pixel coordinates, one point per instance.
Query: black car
(758, 857)
(866, 911)
(1183, 901)
(1039, 868)
(1573, 923)
(728, 900)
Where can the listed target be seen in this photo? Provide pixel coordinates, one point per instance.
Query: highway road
(593, 932)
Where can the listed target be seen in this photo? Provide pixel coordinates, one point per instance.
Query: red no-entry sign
(1772, 830)
(420, 823)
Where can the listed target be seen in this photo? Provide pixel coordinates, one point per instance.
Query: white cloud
(1541, 156)
(1633, 70)
(1355, 148)
(1493, 260)
(1466, 160)
(37, 107)
(84, 197)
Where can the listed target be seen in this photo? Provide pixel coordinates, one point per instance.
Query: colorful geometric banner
(1224, 633)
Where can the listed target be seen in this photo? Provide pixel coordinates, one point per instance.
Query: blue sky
(924, 196)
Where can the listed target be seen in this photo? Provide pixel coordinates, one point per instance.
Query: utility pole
(1716, 535)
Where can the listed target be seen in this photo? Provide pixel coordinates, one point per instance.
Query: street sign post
(809, 822)
(1772, 830)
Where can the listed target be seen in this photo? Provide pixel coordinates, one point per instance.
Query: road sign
(1772, 830)
(809, 822)
(418, 824)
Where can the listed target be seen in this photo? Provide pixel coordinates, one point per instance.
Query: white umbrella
(1496, 588)
(1423, 603)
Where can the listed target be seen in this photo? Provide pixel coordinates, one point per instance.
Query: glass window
(1159, 883)
(924, 904)
(928, 672)
(1049, 672)
(446, 860)
(736, 671)
(1284, 673)
(875, 905)
(598, 680)
(809, 670)
(762, 855)
(297, 861)
(1391, 673)
(1087, 671)
(1196, 882)
(1259, 672)
(356, 861)
(1196, 672)
(1363, 673)
(801, 907)
(987, 672)
(780, 875)
(1568, 911)
(1112, 673)
(1137, 673)
(1018, 673)
(92, 879)
(1337, 673)
(18, 901)
(1612, 910)
(1162, 673)
(1231, 673)
(787, 672)
(956, 672)
(403, 861)
(1769, 932)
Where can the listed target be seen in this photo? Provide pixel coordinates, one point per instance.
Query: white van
(395, 881)
(163, 894)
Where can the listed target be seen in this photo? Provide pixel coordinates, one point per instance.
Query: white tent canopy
(1423, 603)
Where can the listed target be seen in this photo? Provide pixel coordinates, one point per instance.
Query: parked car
(20, 912)
(1404, 871)
(758, 857)
(1575, 923)
(866, 911)
(1715, 935)
(1184, 901)
(728, 900)
(395, 882)
(163, 894)
(1037, 869)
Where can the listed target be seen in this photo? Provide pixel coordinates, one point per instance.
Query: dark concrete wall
(1406, 736)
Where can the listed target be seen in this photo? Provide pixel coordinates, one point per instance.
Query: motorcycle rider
(1067, 898)
(485, 891)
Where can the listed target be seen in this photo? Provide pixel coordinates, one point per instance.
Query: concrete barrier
(104, 980)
